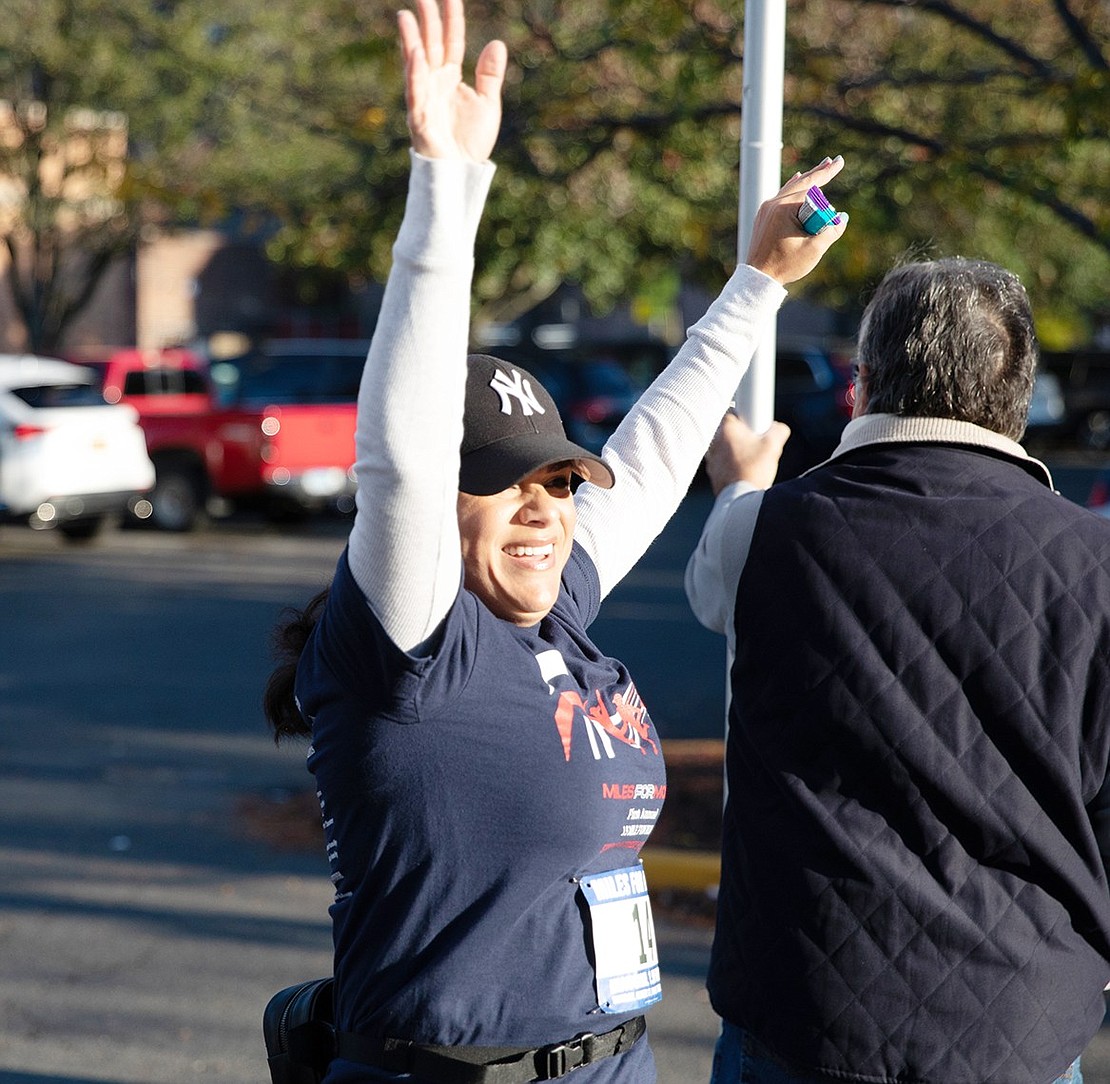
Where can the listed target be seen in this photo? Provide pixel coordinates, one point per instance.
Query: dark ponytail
(289, 638)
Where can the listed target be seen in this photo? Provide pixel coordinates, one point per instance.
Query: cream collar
(897, 429)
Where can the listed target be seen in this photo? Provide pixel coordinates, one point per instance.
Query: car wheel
(286, 513)
(176, 500)
(81, 530)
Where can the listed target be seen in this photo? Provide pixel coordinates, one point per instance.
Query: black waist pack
(299, 1028)
(301, 1042)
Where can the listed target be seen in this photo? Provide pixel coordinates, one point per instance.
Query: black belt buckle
(555, 1061)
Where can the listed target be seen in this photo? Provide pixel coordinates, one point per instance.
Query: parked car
(67, 459)
(1047, 410)
(1098, 500)
(273, 427)
(302, 371)
(592, 396)
(595, 385)
(1083, 379)
(813, 395)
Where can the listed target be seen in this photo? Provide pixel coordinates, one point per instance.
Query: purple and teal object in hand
(816, 212)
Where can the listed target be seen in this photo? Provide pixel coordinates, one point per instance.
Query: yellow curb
(669, 867)
(680, 749)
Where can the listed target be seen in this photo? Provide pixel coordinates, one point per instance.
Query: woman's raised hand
(779, 246)
(447, 118)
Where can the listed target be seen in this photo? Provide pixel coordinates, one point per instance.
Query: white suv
(67, 458)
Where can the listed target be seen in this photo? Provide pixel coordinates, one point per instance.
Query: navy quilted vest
(914, 886)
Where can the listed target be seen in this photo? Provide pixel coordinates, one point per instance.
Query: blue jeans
(741, 1059)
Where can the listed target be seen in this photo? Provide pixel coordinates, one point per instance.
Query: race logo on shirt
(623, 718)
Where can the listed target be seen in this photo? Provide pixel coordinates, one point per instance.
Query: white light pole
(760, 174)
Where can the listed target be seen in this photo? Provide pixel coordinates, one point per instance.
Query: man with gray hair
(914, 874)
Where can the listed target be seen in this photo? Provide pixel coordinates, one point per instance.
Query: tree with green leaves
(978, 129)
(984, 134)
(968, 128)
(230, 108)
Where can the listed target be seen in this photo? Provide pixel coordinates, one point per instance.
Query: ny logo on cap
(517, 388)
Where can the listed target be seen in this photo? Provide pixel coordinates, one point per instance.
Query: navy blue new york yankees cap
(511, 427)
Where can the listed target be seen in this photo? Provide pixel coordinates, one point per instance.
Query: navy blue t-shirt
(464, 797)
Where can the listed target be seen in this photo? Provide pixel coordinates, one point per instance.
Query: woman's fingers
(818, 175)
(489, 72)
(432, 28)
(409, 32)
(454, 32)
(416, 65)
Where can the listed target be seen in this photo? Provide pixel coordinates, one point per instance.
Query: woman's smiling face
(516, 543)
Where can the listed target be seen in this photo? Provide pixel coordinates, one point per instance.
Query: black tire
(81, 530)
(286, 513)
(177, 498)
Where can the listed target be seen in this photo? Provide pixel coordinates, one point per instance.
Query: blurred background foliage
(980, 128)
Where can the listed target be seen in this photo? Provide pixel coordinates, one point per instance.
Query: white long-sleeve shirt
(404, 549)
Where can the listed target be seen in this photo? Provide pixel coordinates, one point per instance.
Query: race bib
(626, 955)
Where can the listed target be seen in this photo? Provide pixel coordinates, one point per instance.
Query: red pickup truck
(273, 428)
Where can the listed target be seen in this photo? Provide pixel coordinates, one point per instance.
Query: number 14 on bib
(626, 953)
